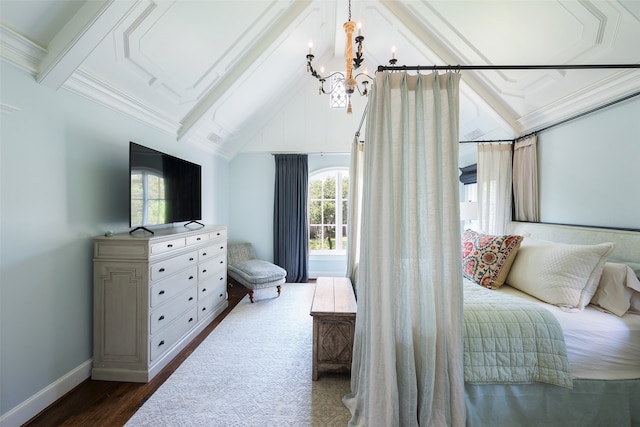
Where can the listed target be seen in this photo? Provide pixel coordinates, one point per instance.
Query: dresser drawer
(166, 246)
(166, 289)
(200, 238)
(163, 315)
(167, 337)
(220, 234)
(209, 269)
(212, 251)
(207, 306)
(166, 268)
(216, 285)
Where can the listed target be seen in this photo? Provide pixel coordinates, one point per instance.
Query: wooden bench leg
(278, 289)
(250, 295)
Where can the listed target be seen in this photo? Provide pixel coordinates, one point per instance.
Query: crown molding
(599, 93)
(6, 109)
(20, 51)
(93, 88)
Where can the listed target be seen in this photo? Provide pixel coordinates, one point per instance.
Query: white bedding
(600, 345)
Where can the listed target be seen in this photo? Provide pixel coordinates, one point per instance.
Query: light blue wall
(63, 180)
(251, 183)
(589, 169)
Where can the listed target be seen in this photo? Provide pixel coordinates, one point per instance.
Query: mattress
(600, 345)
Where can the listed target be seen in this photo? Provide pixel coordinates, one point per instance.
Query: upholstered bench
(252, 273)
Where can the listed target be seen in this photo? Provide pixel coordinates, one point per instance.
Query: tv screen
(164, 189)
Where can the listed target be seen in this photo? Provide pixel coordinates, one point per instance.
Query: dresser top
(162, 233)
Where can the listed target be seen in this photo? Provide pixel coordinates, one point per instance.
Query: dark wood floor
(110, 403)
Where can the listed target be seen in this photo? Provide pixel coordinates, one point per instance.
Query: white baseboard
(45, 397)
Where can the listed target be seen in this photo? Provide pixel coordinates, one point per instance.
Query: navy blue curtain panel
(290, 235)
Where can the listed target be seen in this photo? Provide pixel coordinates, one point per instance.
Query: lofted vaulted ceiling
(213, 73)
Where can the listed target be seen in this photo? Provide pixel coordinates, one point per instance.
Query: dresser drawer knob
(161, 293)
(204, 289)
(204, 254)
(221, 295)
(204, 271)
(190, 319)
(190, 298)
(161, 270)
(160, 318)
(161, 343)
(190, 277)
(204, 308)
(169, 245)
(222, 278)
(222, 262)
(221, 247)
(191, 259)
(198, 238)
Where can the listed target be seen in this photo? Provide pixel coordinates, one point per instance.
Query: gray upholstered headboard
(627, 243)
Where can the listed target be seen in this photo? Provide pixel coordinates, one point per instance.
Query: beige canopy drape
(525, 180)
(408, 351)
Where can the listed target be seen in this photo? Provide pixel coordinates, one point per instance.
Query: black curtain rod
(503, 67)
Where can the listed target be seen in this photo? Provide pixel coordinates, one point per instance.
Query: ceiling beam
(78, 38)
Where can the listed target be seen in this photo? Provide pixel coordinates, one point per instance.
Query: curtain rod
(503, 67)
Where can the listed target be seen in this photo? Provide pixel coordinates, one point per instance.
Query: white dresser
(152, 294)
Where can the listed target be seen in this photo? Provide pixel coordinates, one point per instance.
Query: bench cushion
(256, 272)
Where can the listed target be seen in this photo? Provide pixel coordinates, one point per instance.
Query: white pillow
(617, 285)
(635, 303)
(560, 274)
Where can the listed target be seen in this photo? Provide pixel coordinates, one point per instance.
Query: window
(471, 195)
(328, 192)
(338, 96)
(148, 202)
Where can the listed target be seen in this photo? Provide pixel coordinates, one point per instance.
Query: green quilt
(510, 340)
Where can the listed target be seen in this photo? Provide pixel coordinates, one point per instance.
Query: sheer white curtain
(355, 209)
(408, 353)
(525, 180)
(494, 187)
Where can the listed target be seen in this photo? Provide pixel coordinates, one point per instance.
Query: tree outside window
(328, 191)
(148, 204)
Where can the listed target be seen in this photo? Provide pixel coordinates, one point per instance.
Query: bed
(595, 372)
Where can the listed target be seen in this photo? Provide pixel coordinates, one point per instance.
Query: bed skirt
(590, 403)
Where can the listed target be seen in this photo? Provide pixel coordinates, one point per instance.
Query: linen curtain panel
(525, 180)
(408, 353)
(494, 187)
(290, 222)
(355, 210)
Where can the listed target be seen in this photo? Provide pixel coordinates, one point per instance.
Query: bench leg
(278, 289)
(251, 296)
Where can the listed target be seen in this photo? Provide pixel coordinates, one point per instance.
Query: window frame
(340, 221)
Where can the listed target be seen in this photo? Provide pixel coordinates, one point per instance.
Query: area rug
(254, 369)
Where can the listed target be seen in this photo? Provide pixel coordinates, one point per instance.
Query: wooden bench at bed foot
(334, 316)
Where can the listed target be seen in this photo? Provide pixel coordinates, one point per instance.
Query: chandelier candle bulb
(359, 28)
(393, 52)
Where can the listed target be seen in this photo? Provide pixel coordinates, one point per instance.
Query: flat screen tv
(163, 189)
